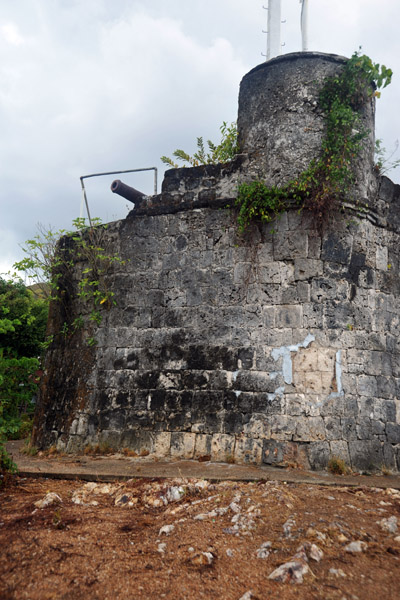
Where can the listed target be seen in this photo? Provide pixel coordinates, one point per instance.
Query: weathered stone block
(289, 316)
(318, 455)
(333, 428)
(248, 450)
(282, 427)
(366, 455)
(309, 429)
(202, 446)
(182, 445)
(336, 248)
(393, 433)
(222, 447)
(306, 268)
(285, 454)
(364, 429)
(162, 443)
(349, 429)
(290, 245)
(340, 450)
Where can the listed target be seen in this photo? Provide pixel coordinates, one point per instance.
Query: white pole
(304, 25)
(274, 29)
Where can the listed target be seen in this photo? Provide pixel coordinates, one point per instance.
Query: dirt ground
(222, 540)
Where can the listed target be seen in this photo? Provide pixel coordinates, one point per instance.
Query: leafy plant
(22, 330)
(325, 182)
(7, 465)
(50, 261)
(223, 152)
(257, 201)
(19, 379)
(23, 319)
(383, 161)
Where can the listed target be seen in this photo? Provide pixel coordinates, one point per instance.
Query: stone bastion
(280, 346)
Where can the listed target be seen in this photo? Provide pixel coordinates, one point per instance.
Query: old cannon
(127, 192)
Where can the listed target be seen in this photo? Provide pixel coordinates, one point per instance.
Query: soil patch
(188, 538)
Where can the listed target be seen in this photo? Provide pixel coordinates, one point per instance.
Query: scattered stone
(161, 548)
(154, 501)
(201, 485)
(397, 539)
(80, 497)
(235, 518)
(342, 539)
(122, 500)
(247, 596)
(264, 550)
(202, 559)
(301, 553)
(290, 572)
(167, 529)
(287, 527)
(204, 516)
(230, 552)
(99, 488)
(125, 500)
(357, 546)
(175, 493)
(295, 569)
(389, 524)
(50, 498)
(393, 492)
(234, 507)
(314, 533)
(231, 530)
(315, 553)
(222, 510)
(337, 572)
(90, 486)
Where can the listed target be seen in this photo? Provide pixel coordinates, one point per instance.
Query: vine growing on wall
(51, 261)
(325, 182)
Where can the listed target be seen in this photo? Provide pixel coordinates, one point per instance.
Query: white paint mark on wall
(285, 352)
(338, 371)
(338, 376)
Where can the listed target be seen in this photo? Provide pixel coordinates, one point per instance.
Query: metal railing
(85, 200)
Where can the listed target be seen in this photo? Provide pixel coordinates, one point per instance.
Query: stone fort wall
(280, 346)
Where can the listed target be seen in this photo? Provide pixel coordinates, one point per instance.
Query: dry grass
(337, 466)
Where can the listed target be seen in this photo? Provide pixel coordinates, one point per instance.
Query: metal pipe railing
(85, 200)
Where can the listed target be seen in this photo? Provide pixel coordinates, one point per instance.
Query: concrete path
(119, 467)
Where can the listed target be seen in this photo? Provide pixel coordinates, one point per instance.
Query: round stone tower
(280, 124)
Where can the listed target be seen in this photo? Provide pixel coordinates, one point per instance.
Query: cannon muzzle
(127, 192)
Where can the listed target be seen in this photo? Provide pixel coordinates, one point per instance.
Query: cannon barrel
(127, 192)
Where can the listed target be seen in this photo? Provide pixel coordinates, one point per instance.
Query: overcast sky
(102, 85)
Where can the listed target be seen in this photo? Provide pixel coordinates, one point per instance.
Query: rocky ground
(186, 539)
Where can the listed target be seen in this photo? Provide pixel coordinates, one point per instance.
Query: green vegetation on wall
(324, 184)
(223, 152)
(50, 260)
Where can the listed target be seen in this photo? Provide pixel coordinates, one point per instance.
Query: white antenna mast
(304, 25)
(274, 47)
